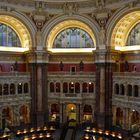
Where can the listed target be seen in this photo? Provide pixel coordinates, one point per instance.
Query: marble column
(102, 90)
(33, 71)
(103, 110)
(39, 88)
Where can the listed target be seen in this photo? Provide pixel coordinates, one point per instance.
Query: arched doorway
(55, 113)
(24, 114)
(87, 113)
(71, 112)
(134, 121)
(6, 117)
(119, 117)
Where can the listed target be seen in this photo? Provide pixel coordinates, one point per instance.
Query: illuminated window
(73, 38)
(8, 37)
(19, 88)
(134, 36)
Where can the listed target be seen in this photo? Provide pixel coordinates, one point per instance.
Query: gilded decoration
(123, 27)
(64, 25)
(19, 28)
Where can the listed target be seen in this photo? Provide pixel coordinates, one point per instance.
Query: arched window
(19, 88)
(5, 89)
(73, 38)
(57, 87)
(129, 90)
(136, 91)
(8, 37)
(77, 88)
(134, 35)
(84, 87)
(116, 89)
(71, 87)
(65, 87)
(51, 87)
(91, 87)
(122, 89)
(12, 88)
(26, 88)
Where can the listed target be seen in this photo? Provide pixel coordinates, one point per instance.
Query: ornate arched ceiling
(64, 25)
(20, 29)
(122, 29)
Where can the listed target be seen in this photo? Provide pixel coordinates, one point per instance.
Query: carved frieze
(71, 58)
(70, 8)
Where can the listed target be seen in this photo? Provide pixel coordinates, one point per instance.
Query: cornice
(57, 6)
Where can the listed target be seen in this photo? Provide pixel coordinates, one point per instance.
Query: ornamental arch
(56, 25)
(119, 27)
(22, 25)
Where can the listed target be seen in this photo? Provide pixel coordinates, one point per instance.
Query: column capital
(106, 56)
(35, 56)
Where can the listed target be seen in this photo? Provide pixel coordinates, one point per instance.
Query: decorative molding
(70, 8)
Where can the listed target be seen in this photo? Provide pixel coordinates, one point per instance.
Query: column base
(103, 121)
(38, 119)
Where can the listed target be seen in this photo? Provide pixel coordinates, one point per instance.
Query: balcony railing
(128, 100)
(16, 97)
(13, 73)
(126, 74)
(65, 95)
(71, 73)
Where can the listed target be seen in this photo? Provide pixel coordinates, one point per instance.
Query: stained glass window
(134, 36)
(8, 37)
(73, 38)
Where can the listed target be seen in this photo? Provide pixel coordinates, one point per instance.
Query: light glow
(13, 49)
(72, 50)
(128, 48)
